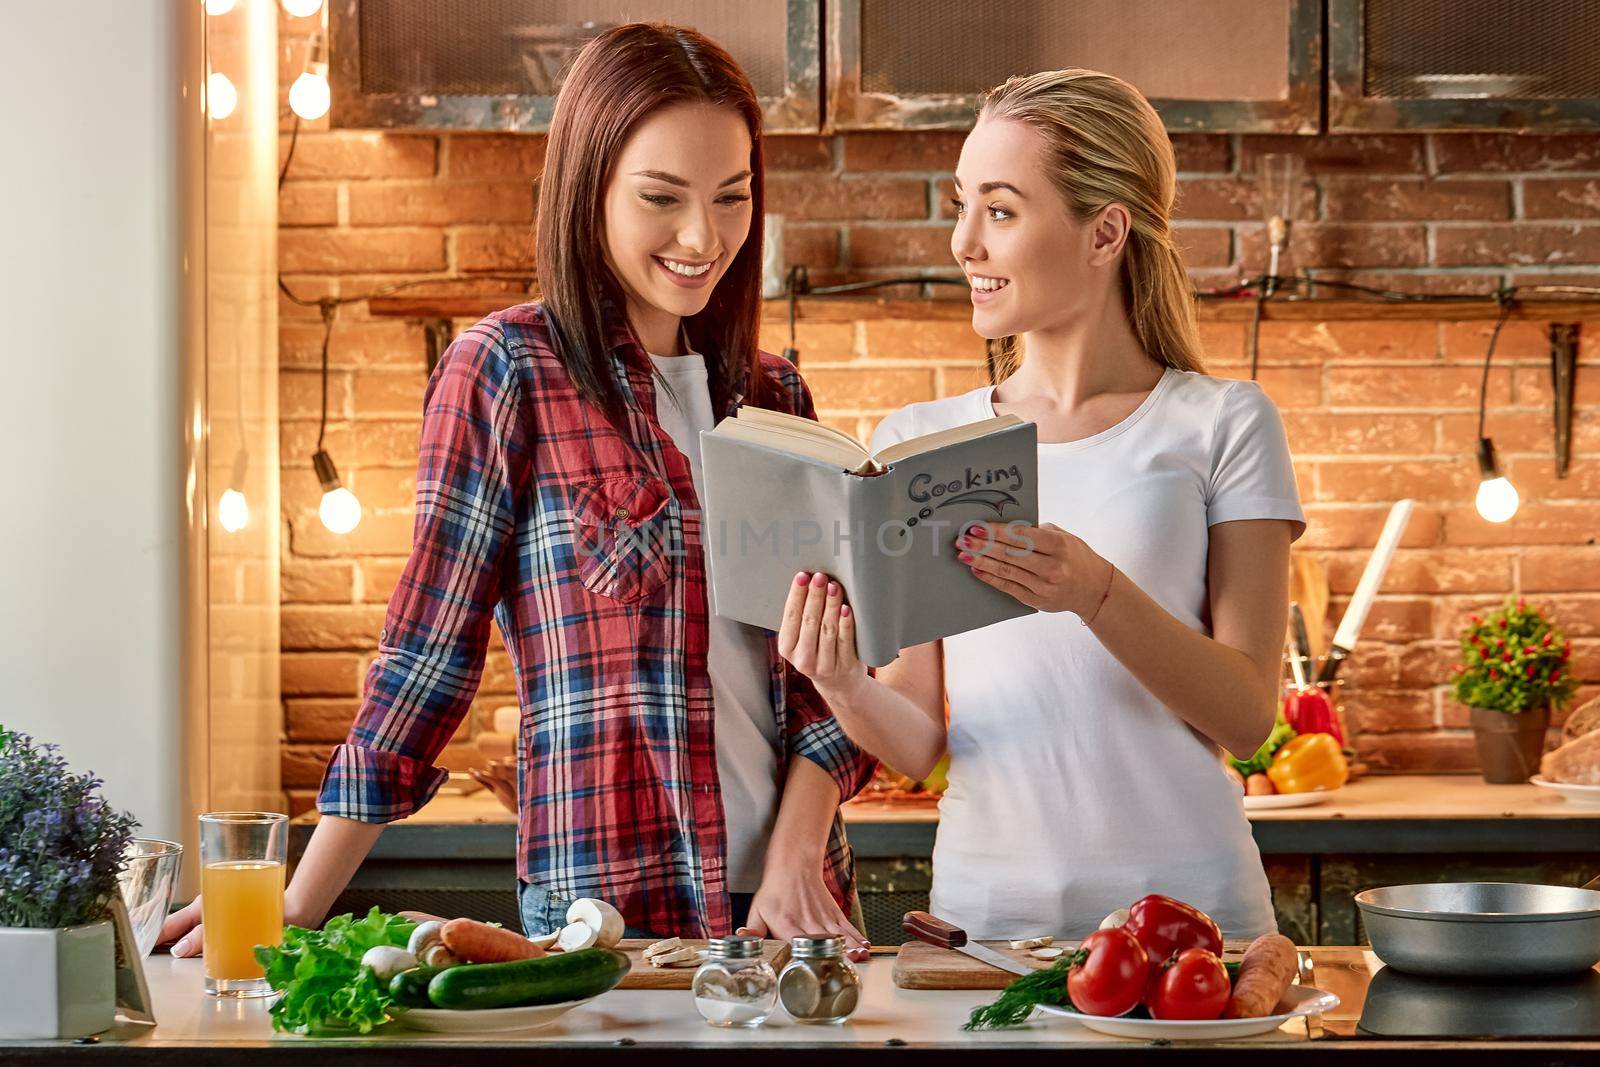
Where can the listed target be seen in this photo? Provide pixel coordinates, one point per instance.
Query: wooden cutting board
(921, 966)
(644, 976)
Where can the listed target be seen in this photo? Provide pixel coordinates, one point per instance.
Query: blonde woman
(1085, 740)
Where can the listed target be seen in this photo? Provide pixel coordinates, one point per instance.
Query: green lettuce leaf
(1282, 734)
(319, 972)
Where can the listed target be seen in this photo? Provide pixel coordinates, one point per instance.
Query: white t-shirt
(744, 724)
(1073, 790)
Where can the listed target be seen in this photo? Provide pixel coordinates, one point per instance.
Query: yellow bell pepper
(1308, 763)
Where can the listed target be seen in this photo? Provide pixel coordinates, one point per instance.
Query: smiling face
(677, 211)
(1029, 262)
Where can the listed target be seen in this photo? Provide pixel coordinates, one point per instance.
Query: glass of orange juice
(242, 856)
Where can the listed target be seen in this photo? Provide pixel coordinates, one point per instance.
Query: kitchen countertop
(890, 1022)
(1375, 814)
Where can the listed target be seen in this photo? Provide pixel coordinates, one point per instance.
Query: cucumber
(410, 988)
(548, 980)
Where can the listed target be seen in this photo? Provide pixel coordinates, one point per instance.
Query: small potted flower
(1514, 669)
(61, 846)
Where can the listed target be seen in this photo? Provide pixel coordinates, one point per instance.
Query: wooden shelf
(849, 309)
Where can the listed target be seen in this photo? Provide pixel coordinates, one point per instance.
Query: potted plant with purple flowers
(61, 846)
(1514, 670)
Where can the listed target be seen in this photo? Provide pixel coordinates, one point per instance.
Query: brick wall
(1374, 411)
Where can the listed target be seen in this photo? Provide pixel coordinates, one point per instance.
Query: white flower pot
(57, 983)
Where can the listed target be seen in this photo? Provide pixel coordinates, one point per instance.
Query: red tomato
(1194, 986)
(1112, 978)
(1164, 926)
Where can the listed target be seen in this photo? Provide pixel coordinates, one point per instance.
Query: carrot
(476, 942)
(1269, 968)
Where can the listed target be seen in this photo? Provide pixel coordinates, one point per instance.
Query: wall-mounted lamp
(221, 96)
(309, 96)
(340, 511)
(1497, 498)
(233, 510)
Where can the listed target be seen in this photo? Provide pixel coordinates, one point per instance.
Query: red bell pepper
(1165, 926)
(1310, 712)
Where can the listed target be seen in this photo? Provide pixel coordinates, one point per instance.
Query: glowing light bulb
(221, 96)
(1497, 499)
(309, 96)
(233, 511)
(301, 9)
(219, 7)
(340, 510)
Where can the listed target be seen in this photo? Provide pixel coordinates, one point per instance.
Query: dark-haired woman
(669, 761)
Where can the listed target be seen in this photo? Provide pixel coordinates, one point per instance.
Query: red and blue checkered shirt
(583, 540)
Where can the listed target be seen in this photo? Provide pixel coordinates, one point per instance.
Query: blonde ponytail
(1105, 144)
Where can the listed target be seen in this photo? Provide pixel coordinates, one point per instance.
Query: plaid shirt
(584, 540)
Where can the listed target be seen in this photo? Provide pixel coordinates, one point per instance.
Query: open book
(784, 494)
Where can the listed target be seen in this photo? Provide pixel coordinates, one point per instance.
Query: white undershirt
(745, 727)
(1073, 790)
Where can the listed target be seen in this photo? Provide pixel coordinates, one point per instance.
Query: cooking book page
(784, 494)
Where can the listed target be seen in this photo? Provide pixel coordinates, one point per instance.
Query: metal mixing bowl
(1483, 929)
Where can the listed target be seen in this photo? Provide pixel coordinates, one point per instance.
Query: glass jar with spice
(735, 986)
(818, 985)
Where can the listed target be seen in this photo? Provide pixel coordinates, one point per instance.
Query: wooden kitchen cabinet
(1415, 65)
(419, 64)
(1205, 65)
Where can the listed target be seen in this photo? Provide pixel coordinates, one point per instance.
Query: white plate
(485, 1021)
(1587, 795)
(1287, 800)
(1298, 1001)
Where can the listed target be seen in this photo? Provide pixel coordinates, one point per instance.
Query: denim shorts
(544, 910)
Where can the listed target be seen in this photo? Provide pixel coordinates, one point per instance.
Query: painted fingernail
(802, 578)
(833, 588)
(965, 557)
(182, 948)
(977, 531)
(844, 611)
(819, 579)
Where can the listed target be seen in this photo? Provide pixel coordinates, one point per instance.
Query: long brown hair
(616, 81)
(1105, 144)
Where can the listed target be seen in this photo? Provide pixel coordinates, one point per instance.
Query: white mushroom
(1032, 942)
(1116, 918)
(545, 941)
(436, 955)
(1047, 953)
(605, 920)
(387, 961)
(425, 934)
(577, 936)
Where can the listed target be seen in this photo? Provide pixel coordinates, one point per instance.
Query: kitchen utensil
(1484, 929)
(1308, 587)
(147, 882)
(918, 965)
(1582, 795)
(1297, 1002)
(1301, 638)
(645, 976)
(1297, 666)
(940, 934)
(1355, 616)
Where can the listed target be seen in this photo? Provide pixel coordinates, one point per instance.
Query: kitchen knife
(1355, 615)
(1302, 644)
(940, 934)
